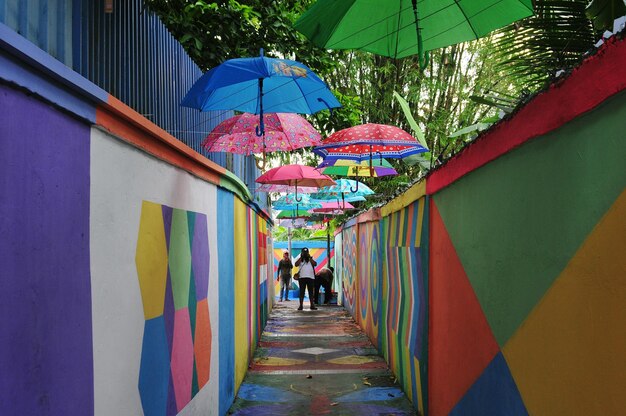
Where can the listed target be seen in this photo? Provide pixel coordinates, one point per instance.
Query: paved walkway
(317, 363)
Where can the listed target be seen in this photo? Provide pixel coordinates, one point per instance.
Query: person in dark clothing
(284, 275)
(324, 278)
(307, 276)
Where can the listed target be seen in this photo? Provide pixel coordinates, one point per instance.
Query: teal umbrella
(346, 189)
(399, 28)
(290, 202)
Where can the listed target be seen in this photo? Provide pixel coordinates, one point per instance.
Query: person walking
(283, 274)
(324, 278)
(307, 276)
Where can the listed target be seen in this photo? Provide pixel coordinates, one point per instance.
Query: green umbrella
(399, 28)
(293, 213)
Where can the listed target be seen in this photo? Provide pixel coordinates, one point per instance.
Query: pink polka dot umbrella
(283, 131)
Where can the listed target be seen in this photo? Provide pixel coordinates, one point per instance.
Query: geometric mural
(385, 287)
(172, 260)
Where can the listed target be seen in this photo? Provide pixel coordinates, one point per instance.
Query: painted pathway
(317, 363)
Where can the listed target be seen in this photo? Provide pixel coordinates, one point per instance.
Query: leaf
(470, 129)
(407, 112)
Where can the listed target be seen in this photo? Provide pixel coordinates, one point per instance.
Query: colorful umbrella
(360, 143)
(345, 167)
(289, 202)
(283, 131)
(292, 213)
(258, 85)
(294, 175)
(399, 28)
(268, 187)
(343, 188)
(332, 208)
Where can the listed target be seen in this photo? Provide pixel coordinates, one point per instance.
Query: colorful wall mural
(317, 249)
(502, 273)
(385, 278)
(145, 272)
(173, 269)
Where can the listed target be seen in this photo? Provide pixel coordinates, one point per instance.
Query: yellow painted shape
(151, 259)
(568, 358)
(278, 361)
(414, 193)
(420, 221)
(352, 359)
(242, 296)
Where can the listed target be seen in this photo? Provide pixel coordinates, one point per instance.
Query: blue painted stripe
(226, 270)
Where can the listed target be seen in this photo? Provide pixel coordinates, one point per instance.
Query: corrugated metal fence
(130, 54)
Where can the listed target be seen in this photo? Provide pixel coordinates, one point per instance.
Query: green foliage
(604, 12)
(533, 50)
(214, 31)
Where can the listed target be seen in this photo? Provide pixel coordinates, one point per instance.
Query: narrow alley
(317, 363)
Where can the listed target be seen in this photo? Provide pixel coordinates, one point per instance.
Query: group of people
(308, 279)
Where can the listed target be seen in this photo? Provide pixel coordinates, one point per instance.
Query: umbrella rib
(458, 24)
(330, 46)
(466, 18)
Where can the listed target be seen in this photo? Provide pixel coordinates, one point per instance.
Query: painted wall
(385, 282)
(317, 250)
(134, 274)
(498, 285)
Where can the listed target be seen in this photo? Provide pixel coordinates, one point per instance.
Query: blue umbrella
(258, 85)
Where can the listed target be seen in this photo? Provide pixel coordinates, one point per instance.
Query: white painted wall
(121, 178)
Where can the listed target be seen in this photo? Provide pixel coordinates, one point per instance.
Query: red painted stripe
(596, 79)
(132, 127)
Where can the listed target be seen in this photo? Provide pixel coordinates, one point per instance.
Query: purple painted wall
(46, 354)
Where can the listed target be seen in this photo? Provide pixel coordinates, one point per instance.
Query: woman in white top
(307, 276)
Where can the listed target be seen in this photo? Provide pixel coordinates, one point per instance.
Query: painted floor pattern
(317, 363)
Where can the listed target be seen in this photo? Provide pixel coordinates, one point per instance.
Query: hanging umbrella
(289, 202)
(345, 167)
(346, 189)
(363, 142)
(294, 175)
(399, 28)
(293, 213)
(258, 85)
(283, 131)
(268, 187)
(332, 208)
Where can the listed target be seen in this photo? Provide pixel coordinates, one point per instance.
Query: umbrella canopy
(360, 143)
(343, 188)
(345, 167)
(399, 28)
(317, 197)
(290, 202)
(292, 213)
(333, 208)
(283, 131)
(294, 175)
(268, 187)
(258, 85)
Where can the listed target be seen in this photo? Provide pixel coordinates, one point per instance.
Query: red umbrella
(362, 142)
(295, 175)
